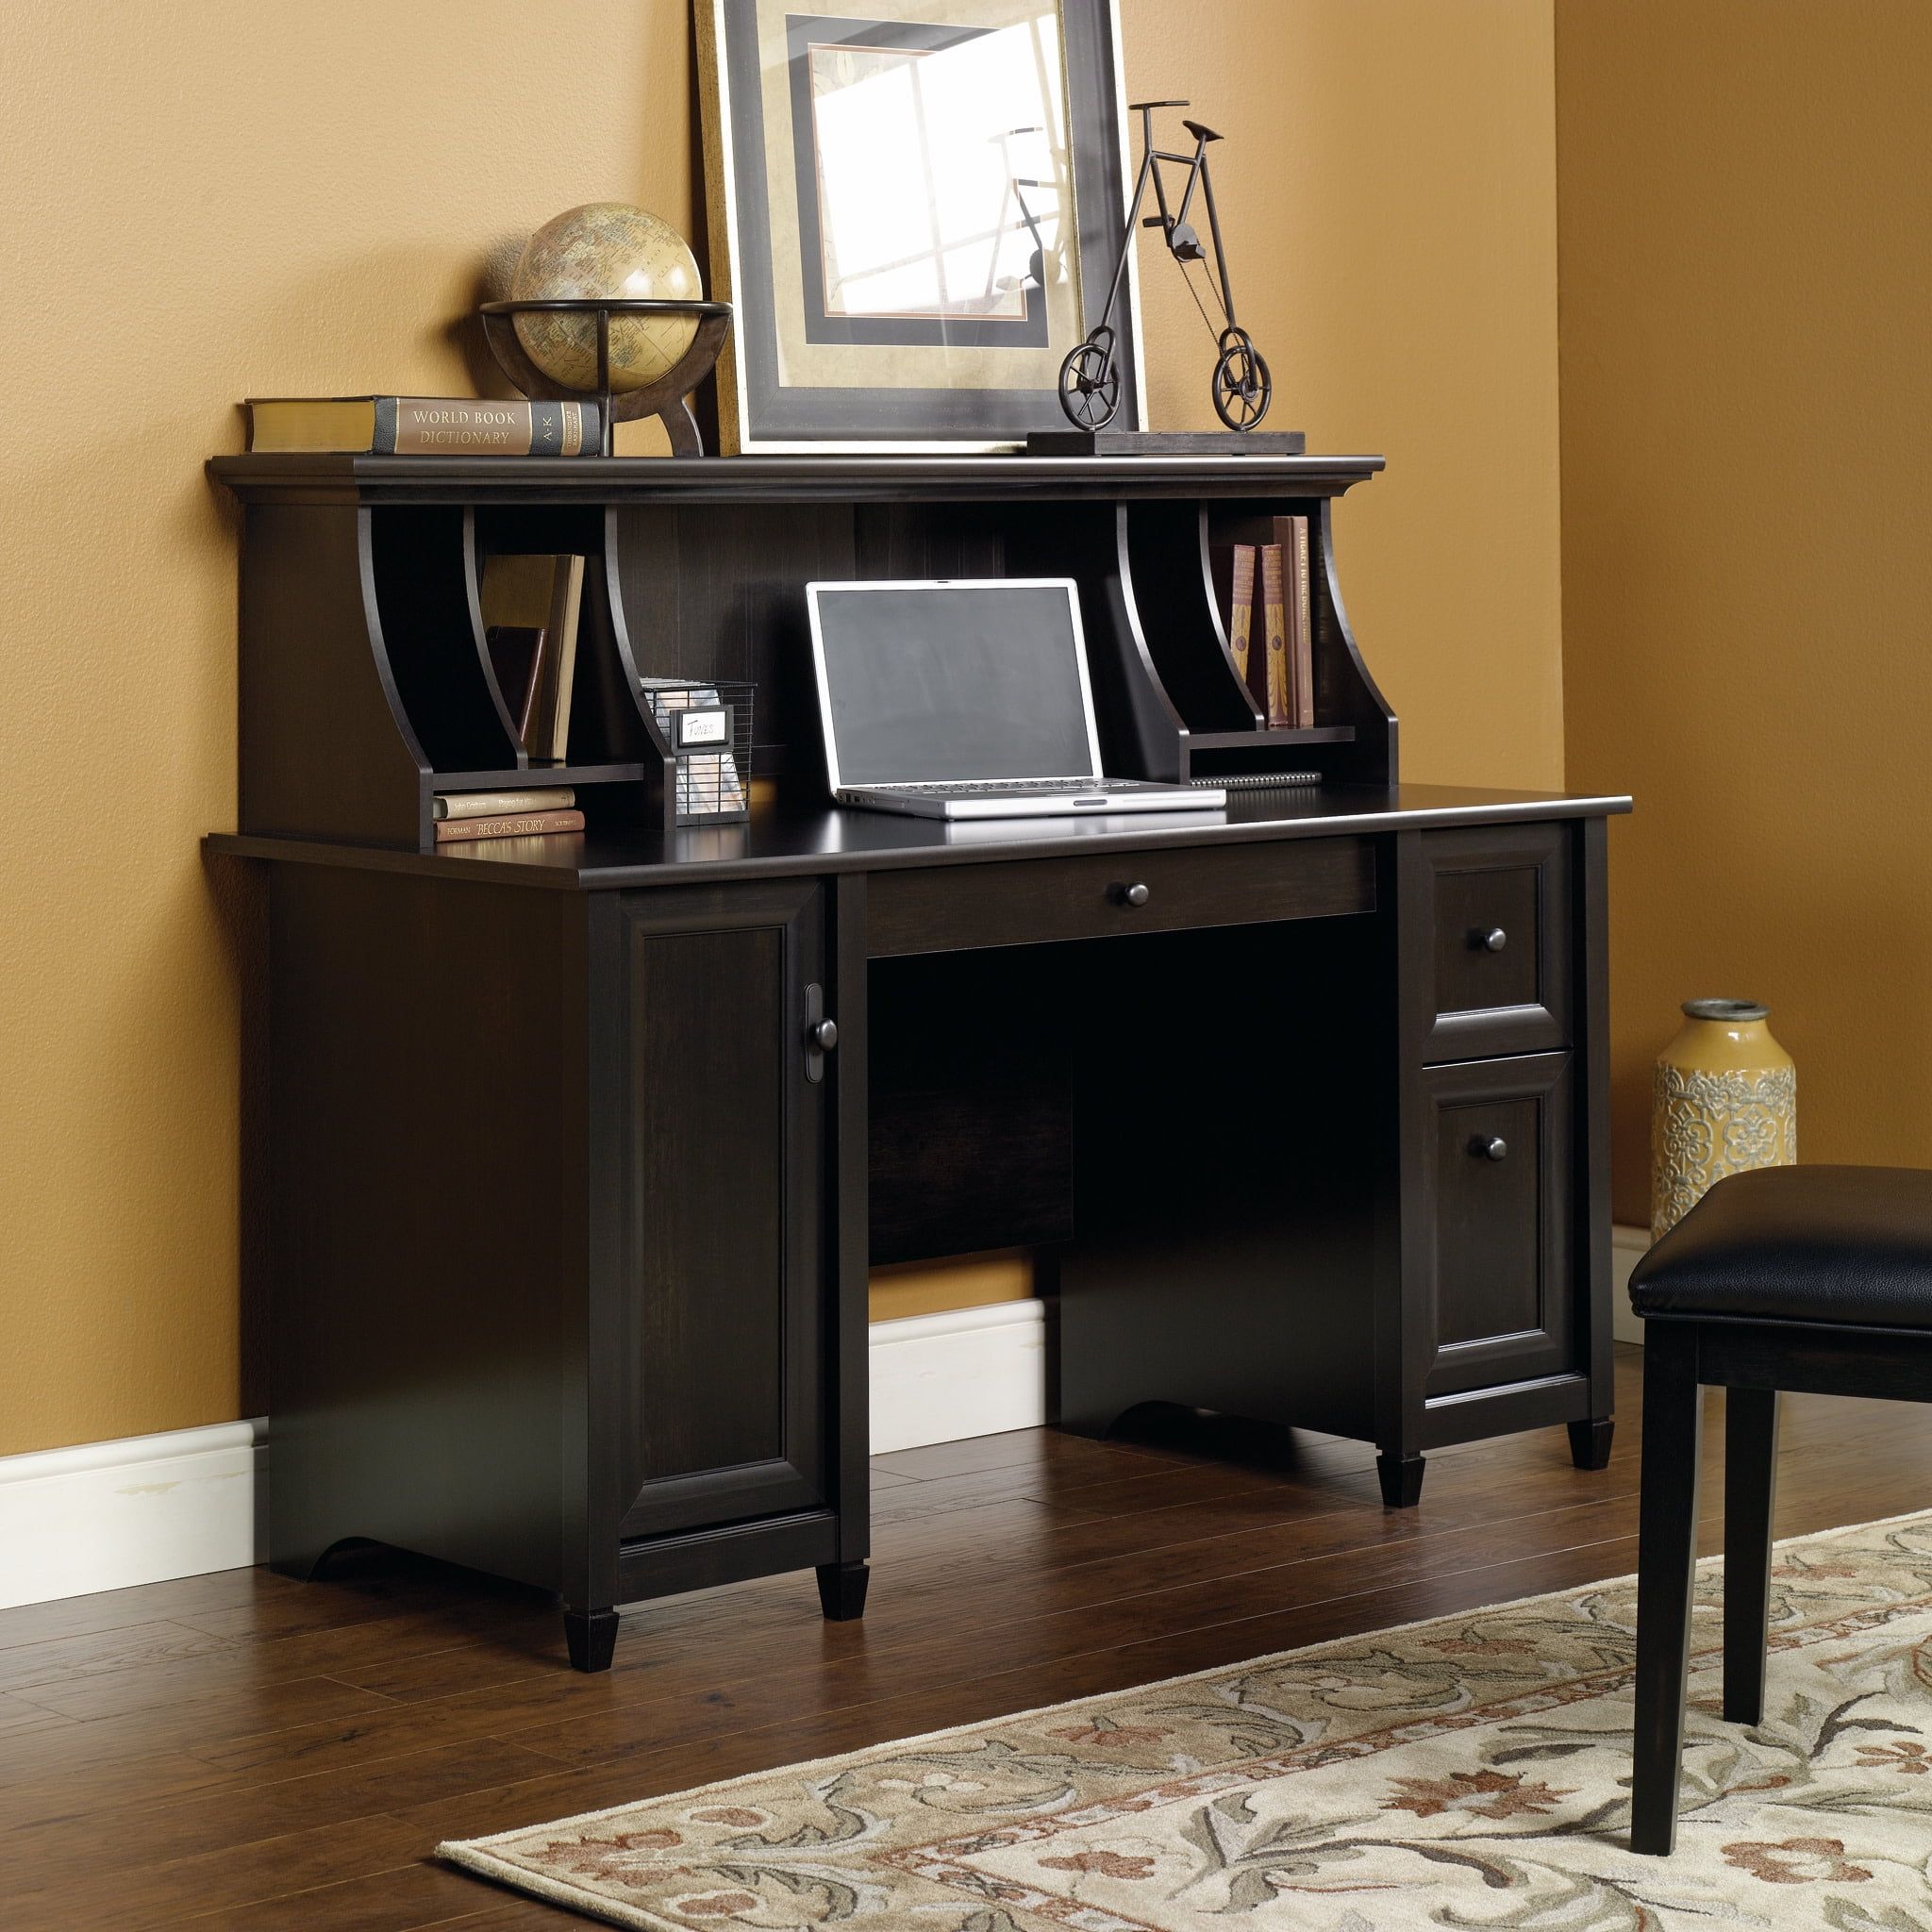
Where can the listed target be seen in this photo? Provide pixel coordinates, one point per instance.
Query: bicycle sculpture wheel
(1089, 385)
(1091, 382)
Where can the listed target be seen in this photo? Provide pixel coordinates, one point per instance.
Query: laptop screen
(924, 683)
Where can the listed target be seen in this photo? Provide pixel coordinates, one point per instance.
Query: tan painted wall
(1748, 408)
(299, 199)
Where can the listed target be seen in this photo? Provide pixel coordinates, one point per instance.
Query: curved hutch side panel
(327, 750)
(1140, 730)
(1345, 690)
(1173, 590)
(422, 564)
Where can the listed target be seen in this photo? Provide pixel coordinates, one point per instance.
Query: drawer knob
(1492, 940)
(822, 1034)
(1490, 1146)
(1136, 894)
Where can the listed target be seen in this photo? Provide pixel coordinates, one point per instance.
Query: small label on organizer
(702, 727)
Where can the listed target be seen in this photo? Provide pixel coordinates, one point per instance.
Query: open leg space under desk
(1200, 1124)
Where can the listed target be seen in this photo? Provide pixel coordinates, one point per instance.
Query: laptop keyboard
(976, 787)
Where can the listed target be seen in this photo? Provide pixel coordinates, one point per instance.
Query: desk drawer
(1495, 912)
(1026, 902)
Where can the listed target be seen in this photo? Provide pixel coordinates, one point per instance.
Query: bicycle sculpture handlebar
(1089, 385)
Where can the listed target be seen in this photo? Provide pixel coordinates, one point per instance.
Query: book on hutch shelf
(521, 824)
(1234, 587)
(1274, 636)
(1301, 624)
(496, 805)
(541, 592)
(422, 427)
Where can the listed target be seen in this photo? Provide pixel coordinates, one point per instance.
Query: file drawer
(1497, 1204)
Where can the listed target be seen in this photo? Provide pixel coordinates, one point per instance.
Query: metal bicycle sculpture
(1090, 378)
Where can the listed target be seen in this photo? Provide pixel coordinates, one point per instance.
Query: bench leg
(1666, 1575)
(1750, 1488)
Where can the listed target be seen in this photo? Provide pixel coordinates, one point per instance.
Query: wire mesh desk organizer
(707, 728)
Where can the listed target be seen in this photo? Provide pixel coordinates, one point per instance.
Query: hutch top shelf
(329, 478)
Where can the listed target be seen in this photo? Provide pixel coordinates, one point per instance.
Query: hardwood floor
(237, 1751)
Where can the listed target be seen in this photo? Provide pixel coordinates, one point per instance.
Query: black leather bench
(1814, 1278)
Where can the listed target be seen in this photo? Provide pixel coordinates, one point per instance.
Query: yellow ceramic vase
(1725, 1098)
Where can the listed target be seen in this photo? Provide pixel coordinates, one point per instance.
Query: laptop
(967, 698)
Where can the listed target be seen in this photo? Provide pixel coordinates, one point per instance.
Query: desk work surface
(782, 841)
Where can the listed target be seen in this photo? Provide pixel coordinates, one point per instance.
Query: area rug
(1470, 1771)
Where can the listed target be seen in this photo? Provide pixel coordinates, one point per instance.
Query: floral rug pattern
(1471, 1773)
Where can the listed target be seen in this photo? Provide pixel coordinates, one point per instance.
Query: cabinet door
(1498, 1209)
(724, 1256)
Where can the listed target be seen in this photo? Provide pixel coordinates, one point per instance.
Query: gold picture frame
(915, 209)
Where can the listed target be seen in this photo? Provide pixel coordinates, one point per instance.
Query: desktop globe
(606, 248)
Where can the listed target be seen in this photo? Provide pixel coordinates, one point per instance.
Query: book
(424, 427)
(516, 657)
(1292, 534)
(518, 824)
(544, 591)
(496, 805)
(1274, 636)
(1233, 566)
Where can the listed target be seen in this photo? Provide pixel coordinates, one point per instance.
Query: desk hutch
(573, 1194)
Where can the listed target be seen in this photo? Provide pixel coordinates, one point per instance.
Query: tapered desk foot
(1590, 1441)
(1402, 1479)
(592, 1637)
(842, 1591)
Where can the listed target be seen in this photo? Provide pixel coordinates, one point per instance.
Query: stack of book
(506, 814)
(1280, 674)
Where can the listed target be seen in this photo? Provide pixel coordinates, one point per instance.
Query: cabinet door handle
(1136, 894)
(821, 1034)
(1489, 1146)
(1489, 939)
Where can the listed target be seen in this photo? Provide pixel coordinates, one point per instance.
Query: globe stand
(667, 398)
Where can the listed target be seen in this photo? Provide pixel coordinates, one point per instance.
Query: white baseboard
(969, 1372)
(107, 1515)
(110, 1515)
(1627, 1246)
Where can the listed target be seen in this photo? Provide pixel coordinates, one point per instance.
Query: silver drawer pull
(1490, 1146)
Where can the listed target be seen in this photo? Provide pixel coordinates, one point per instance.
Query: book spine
(1240, 623)
(1274, 636)
(517, 826)
(1302, 671)
(433, 426)
(496, 805)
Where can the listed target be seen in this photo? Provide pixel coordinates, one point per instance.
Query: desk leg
(842, 1591)
(592, 1637)
(1402, 1479)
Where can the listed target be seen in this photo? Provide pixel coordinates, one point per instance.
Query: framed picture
(915, 209)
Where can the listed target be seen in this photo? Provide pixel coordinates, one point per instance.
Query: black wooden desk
(572, 1216)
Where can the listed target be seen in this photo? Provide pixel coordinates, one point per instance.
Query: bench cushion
(1845, 1244)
